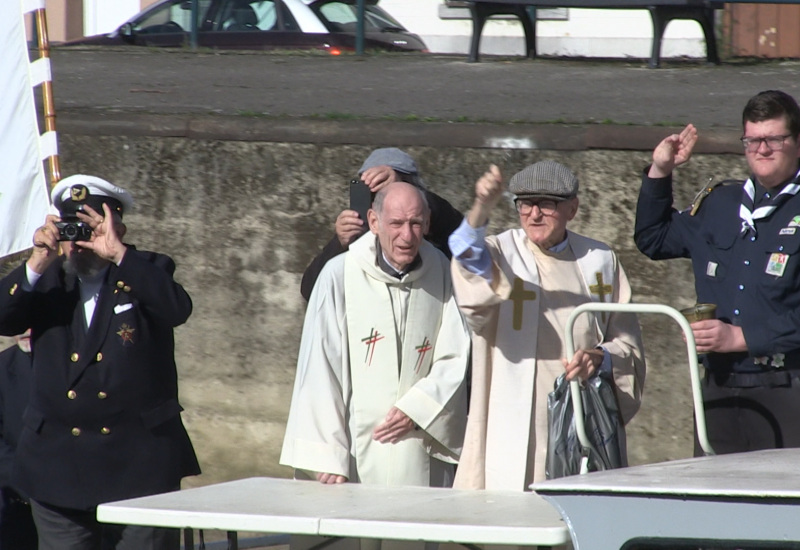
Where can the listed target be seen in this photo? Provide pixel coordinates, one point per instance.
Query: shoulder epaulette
(704, 192)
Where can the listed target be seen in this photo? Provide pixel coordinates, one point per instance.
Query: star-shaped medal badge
(125, 333)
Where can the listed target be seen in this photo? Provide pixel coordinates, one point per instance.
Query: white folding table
(272, 505)
(725, 501)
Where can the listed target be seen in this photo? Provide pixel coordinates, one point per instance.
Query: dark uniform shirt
(753, 278)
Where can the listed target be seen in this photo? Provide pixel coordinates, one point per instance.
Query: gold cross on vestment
(602, 290)
(518, 296)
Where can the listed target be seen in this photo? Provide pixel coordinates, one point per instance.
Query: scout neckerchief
(749, 216)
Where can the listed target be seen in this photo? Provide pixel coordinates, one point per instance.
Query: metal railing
(694, 370)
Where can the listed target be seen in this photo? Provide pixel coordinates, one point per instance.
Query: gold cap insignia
(78, 193)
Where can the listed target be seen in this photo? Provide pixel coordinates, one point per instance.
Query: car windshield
(215, 15)
(243, 15)
(343, 16)
(174, 16)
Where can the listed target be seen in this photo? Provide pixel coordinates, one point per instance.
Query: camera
(73, 231)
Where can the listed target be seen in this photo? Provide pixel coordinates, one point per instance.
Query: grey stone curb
(554, 137)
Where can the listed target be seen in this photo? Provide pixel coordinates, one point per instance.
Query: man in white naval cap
(104, 420)
(516, 290)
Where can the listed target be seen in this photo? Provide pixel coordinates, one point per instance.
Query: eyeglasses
(546, 206)
(774, 143)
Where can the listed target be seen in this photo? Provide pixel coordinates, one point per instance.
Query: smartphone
(360, 198)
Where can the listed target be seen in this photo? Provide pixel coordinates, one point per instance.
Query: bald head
(399, 217)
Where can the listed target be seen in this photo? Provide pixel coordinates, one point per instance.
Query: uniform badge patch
(125, 333)
(711, 269)
(777, 264)
(788, 231)
(795, 222)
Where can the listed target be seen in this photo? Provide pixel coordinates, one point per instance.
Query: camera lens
(71, 231)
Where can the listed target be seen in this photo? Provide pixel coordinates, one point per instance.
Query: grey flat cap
(400, 161)
(544, 179)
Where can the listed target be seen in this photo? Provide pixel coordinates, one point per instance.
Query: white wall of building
(104, 16)
(583, 32)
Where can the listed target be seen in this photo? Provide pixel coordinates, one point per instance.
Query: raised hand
(349, 227)
(107, 233)
(488, 191)
(45, 245)
(378, 177)
(673, 151)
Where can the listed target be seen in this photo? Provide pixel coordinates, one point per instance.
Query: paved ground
(412, 87)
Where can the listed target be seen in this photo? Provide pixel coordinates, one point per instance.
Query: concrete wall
(243, 218)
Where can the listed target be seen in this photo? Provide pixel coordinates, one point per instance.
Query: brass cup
(700, 312)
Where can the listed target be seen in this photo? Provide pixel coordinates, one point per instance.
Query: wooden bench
(661, 12)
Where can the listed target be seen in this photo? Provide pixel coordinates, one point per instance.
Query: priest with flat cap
(103, 422)
(517, 290)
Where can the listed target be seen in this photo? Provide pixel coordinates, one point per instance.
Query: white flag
(24, 200)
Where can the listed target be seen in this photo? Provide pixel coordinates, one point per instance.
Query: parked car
(262, 24)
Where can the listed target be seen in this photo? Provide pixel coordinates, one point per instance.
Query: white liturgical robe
(518, 323)
(372, 342)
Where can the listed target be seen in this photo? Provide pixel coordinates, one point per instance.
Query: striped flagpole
(47, 92)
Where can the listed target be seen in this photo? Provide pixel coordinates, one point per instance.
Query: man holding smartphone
(384, 166)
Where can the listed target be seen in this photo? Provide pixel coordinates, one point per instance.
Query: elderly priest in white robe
(516, 290)
(379, 394)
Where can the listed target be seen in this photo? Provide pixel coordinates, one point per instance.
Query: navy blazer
(103, 421)
(15, 384)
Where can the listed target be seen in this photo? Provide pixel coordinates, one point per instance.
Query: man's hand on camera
(45, 245)
(107, 233)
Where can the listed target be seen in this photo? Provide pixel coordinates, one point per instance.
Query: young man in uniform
(744, 243)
